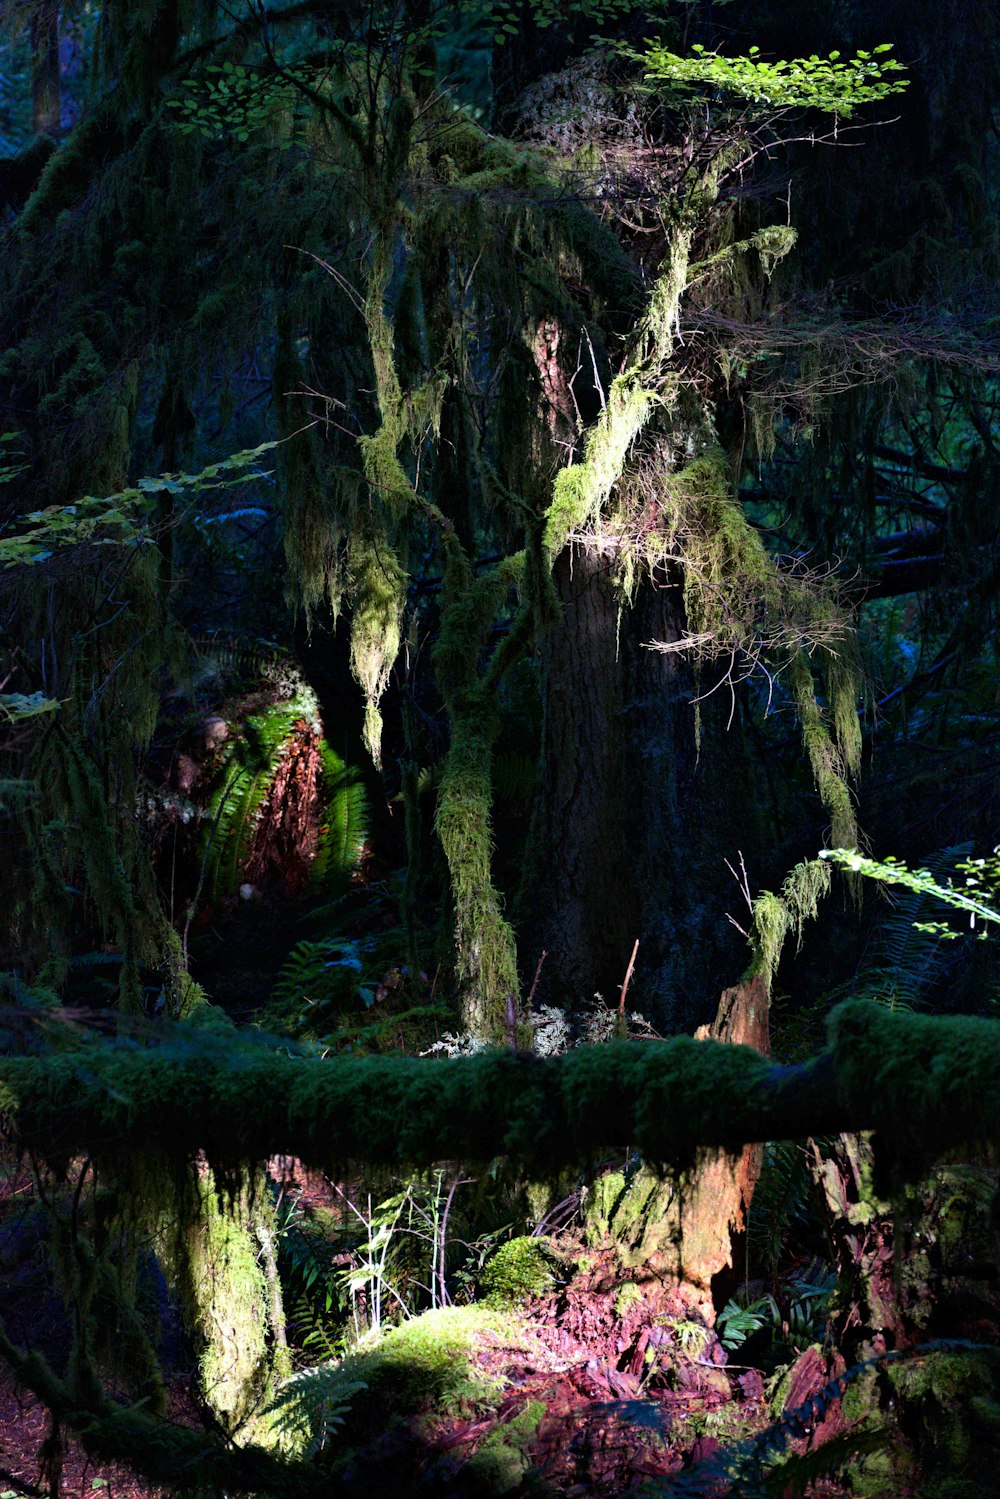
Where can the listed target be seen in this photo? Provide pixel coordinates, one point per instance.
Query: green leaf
(17, 705)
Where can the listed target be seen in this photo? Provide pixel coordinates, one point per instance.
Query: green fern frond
(239, 662)
(311, 1406)
(908, 960)
(248, 770)
(344, 828)
(317, 977)
(781, 1201)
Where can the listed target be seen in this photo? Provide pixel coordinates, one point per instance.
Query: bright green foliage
(833, 84)
(248, 770)
(121, 519)
(976, 896)
(311, 1407)
(775, 916)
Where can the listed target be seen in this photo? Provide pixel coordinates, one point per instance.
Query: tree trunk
(580, 900)
(220, 1254)
(685, 1231)
(631, 817)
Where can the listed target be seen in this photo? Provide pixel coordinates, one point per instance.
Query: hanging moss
(775, 916)
(831, 757)
(485, 952)
(581, 489)
(313, 518)
(378, 591)
(102, 1289)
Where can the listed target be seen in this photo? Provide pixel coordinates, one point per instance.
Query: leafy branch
(117, 519)
(837, 86)
(982, 883)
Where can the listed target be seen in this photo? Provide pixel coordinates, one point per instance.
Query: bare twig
(628, 975)
(534, 981)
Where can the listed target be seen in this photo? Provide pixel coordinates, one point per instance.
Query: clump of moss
(521, 1268)
(503, 1457)
(627, 1296)
(939, 1393)
(427, 1361)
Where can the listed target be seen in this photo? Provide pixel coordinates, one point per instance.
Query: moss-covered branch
(924, 1083)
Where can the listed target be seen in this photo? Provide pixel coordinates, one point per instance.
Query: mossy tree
(466, 261)
(415, 288)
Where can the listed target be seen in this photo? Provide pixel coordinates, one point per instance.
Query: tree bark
(631, 818)
(579, 899)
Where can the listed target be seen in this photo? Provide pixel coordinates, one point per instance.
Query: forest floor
(597, 1391)
(598, 1385)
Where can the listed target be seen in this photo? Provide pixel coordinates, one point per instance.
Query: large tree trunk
(580, 900)
(631, 817)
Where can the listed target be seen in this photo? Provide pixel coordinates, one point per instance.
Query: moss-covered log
(923, 1083)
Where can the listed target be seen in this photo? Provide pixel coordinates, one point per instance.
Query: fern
(908, 956)
(344, 828)
(317, 979)
(249, 769)
(782, 1199)
(311, 1406)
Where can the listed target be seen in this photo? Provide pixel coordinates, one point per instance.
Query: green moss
(485, 951)
(580, 490)
(925, 1083)
(636, 1210)
(628, 1296)
(860, 1401)
(378, 592)
(217, 1256)
(602, 1197)
(502, 1459)
(520, 1269)
(937, 1390)
(426, 1364)
(774, 916)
